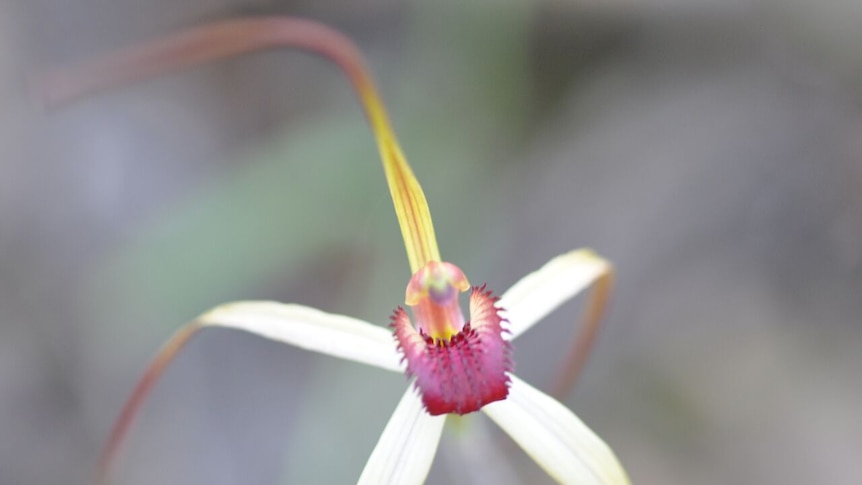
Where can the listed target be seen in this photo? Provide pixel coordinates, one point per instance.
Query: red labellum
(464, 372)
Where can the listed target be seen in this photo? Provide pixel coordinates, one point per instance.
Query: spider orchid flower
(458, 364)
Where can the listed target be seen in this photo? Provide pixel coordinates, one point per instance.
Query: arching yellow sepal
(233, 37)
(411, 208)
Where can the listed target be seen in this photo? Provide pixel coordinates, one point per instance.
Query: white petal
(542, 291)
(555, 438)
(310, 329)
(406, 448)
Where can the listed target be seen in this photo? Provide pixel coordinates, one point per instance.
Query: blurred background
(711, 149)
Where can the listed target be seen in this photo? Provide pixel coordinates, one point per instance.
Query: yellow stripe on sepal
(411, 207)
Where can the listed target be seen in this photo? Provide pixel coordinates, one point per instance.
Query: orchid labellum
(459, 363)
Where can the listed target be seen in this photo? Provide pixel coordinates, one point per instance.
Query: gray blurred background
(711, 149)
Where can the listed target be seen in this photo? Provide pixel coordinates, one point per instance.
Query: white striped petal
(310, 329)
(406, 448)
(542, 291)
(555, 438)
